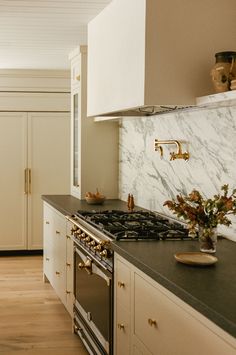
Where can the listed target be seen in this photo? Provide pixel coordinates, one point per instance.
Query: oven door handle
(90, 267)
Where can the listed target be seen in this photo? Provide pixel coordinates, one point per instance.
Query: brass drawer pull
(57, 273)
(47, 222)
(47, 259)
(121, 284)
(68, 292)
(152, 322)
(121, 326)
(68, 264)
(57, 232)
(67, 237)
(77, 77)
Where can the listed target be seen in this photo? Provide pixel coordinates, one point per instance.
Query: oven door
(93, 296)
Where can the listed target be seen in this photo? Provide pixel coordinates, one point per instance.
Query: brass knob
(121, 326)
(104, 253)
(121, 284)
(67, 237)
(68, 264)
(57, 273)
(57, 232)
(47, 259)
(152, 322)
(92, 243)
(68, 292)
(47, 222)
(98, 247)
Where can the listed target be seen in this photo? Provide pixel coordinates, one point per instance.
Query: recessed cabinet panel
(94, 146)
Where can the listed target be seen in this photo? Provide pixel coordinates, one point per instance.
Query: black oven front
(93, 302)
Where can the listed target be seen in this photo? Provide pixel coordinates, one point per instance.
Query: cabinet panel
(122, 330)
(91, 142)
(157, 320)
(13, 160)
(49, 162)
(123, 284)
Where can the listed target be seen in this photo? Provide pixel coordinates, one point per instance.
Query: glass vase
(207, 239)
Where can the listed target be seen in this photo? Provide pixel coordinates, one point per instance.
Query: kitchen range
(92, 232)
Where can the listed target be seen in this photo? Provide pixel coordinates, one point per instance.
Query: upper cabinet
(152, 55)
(94, 146)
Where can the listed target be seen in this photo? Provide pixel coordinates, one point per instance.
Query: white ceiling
(38, 34)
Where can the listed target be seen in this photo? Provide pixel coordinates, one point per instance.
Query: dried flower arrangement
(206, 213)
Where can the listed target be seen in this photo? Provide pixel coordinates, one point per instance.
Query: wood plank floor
(33, 321)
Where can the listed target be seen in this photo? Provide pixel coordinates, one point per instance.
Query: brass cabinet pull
(121, 326)
(57, 273)
(57, 232)
(47, 222)
(68, 264)
(67, 237)
(121, 284)
(78, 77)
(25, 181)
(29, 181)
(68, 292)
(152, 322)
(47, 259)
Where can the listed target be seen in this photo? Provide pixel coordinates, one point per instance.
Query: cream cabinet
(58, 255)
(34, 155)
(154, 53)
(94, 146)
(34, 151)
(154, 321)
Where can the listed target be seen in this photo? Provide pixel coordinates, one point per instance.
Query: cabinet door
(69, 270)
(49, 164)
(13, 207)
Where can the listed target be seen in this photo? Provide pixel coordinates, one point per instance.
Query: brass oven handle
(87, 265)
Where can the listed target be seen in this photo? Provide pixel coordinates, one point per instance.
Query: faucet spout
(173, 155)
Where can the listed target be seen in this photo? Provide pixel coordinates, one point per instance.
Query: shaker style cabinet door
(49, 164)
(35, 161)
(13, 158)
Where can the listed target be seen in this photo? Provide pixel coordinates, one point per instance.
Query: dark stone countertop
(211, 290)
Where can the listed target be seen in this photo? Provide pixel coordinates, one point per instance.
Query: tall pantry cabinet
(34, 151)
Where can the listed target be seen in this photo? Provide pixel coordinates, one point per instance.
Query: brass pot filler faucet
(173, 155)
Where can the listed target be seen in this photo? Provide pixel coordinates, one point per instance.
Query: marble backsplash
(209, 137)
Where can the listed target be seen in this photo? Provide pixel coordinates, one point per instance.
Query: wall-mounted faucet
(173, 155)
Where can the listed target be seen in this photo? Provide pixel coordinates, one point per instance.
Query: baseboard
(20, 252)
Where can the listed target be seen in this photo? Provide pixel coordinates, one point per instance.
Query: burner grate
(137, 225)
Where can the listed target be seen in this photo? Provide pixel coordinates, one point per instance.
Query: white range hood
(152, 56)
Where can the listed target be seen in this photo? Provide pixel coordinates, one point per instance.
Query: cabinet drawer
(123, 284)
(122, 330)
(166, 328)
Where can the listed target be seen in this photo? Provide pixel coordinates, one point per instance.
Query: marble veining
(207, 134)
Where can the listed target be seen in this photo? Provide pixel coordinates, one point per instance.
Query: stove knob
(104, 253)
(98, 247)
(82, 235)
(77, 232)
(87, 239)
(92, 243)
(74, 229)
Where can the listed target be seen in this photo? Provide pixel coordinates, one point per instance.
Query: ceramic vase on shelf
(207, 239)
(224, 71)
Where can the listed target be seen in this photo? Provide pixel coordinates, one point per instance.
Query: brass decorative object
(173, 155)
